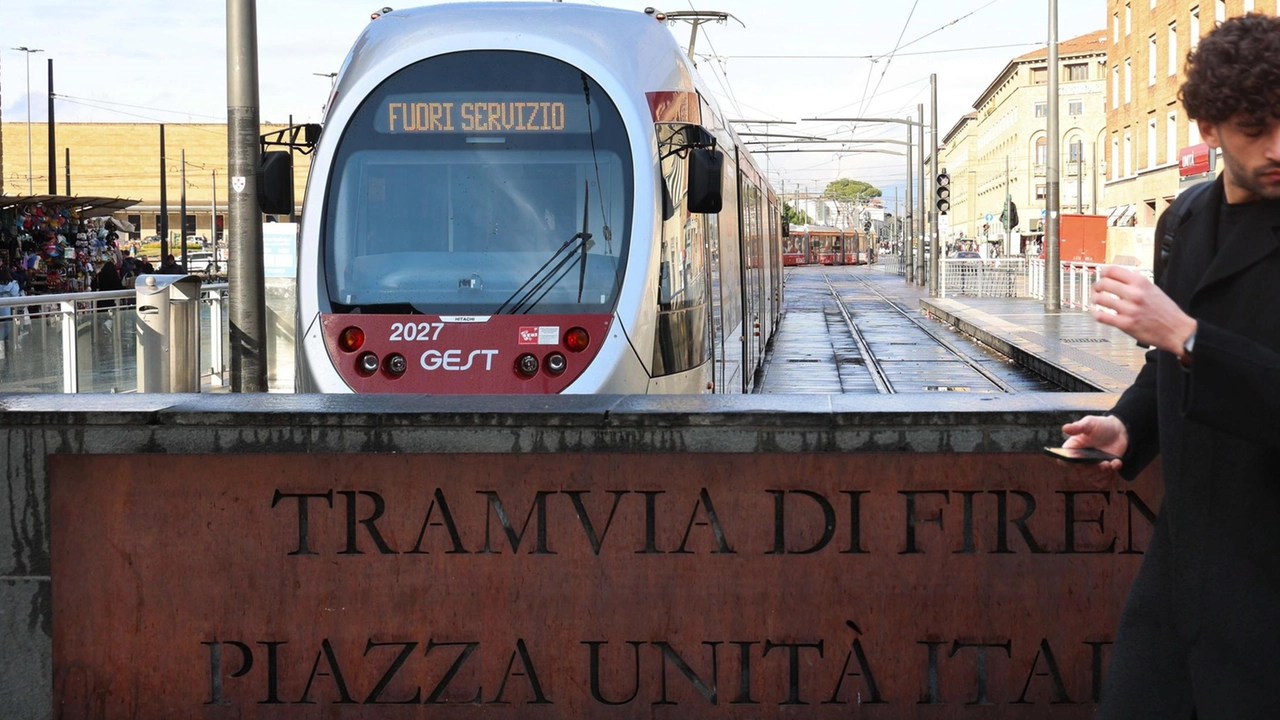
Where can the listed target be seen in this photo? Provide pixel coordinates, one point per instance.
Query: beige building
(1001, 150)
(123, 160)
(1147, 130)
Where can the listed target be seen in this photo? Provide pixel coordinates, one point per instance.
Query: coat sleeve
(1138, 411)
(1233, 385)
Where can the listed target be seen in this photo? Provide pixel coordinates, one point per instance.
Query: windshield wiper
(547, 280)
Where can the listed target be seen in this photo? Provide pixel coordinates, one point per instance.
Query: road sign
(990, 217)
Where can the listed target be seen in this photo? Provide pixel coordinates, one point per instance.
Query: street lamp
(29, 51)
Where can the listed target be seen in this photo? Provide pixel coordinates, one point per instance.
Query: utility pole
(29, 51)
(922, 201)
(53, 145)
(164, 204)
(934, 233)
(1080, 180)
(1093, 196)
(182, 211)
(909, 243)
(67, 168)
(1052, 273)
(248, 308)
(1, 145)
(1008, 214)
(213, 221)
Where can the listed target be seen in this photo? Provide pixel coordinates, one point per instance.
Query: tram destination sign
(484, 113)
(587, 585)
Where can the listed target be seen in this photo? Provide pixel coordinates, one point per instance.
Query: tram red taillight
(577, 339)
(351, 339)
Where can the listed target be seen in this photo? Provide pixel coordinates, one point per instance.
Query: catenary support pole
(163, 228)
(66, 166)
(922, 202)
(934, 231)
(182, 212)
(245, 272)
(1052, 274)
(213, 223)
(53, 144)
(908, 245)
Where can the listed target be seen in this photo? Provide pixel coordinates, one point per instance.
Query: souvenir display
(54, 250)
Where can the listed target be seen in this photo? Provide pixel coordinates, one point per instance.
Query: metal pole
(213, 222)
(182, 212)
(1052, 280)
(921, 202)
(1093, 195)
(30, 182)
(934, 232)
(245, 272)
(53, 145)
(164, 203)
(1008, 199)
(1080, 180)
(909, 242)
(1, 148)
(67, 168)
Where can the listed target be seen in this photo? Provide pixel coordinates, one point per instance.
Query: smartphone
(1080, 455)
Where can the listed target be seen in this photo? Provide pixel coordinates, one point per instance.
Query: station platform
(1068, 346)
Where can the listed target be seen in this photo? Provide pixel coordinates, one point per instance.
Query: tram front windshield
(480, 183)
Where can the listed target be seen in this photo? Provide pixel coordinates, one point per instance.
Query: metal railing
(1076, 281)
(87, 342)
(974, 277)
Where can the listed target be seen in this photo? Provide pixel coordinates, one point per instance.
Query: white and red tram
(532, 198)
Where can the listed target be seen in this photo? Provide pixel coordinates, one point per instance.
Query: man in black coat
(1200, 633)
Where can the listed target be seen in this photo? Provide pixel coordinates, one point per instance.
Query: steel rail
(977, 367)
(878, 376)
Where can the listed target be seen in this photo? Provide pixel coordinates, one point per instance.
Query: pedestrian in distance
(1200, 632)
(170, 266)
(8, 289)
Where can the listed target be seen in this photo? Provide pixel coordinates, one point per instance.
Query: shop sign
(1193, 160)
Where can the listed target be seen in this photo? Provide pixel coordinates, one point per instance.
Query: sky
(144, 61)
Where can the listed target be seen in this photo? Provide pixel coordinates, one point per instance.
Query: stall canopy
(86, 206)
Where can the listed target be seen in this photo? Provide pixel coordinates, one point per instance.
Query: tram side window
(682, 273)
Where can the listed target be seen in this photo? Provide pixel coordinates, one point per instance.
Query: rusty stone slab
(589, 585)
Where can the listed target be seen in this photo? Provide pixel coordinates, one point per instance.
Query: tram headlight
(577, 339)
(396, 365)
(367, 364)
(556, 363)
(351, 339)
(527, 365)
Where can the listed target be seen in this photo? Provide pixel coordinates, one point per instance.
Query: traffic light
(943, 191)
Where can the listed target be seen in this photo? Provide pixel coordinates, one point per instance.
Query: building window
(1040, 192)
(1075, 108)
(1115, 27)
(1115, 157)
(1077, 73)
(1042, 109)
(1151, 142)
(1248, 6)
(1039, 76)
(1220, 12)
(1128, 155)
(1195, 27)
(1171, 138)
(1193, 133)
(1153, 4)
(1173, 49)
(1115, 86)
(1075, 151)
(1042, 152)
(1128, 80)
(1128, 19)
(1151, 60)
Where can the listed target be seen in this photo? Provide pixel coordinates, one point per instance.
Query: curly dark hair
(1235, 73)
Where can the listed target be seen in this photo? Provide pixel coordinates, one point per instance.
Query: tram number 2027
(409, 332)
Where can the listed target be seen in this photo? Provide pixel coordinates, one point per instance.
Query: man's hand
(1105, 433)
(1142, 310)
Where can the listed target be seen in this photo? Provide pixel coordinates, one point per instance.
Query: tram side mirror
(706, 168)
(275, 183)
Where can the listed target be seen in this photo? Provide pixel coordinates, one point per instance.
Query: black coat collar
(1233, 257)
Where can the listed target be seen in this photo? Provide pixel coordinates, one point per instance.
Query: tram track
(882, 370)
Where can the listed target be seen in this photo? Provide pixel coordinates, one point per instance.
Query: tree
(794, 216)
(848, 193)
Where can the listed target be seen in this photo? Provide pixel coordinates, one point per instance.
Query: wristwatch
(1188, 348)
